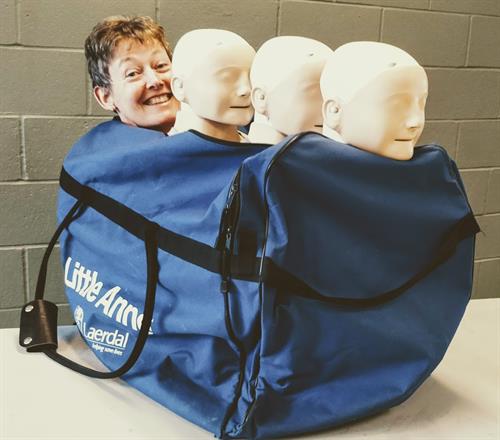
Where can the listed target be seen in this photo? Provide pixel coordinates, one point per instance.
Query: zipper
(253, 383)
(226, 233)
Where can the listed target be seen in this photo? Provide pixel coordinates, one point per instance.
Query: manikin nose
(415, 120)
(244, 89)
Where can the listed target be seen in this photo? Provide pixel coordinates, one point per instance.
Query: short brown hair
(106, 35)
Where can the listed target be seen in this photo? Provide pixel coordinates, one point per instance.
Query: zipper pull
(226, 263)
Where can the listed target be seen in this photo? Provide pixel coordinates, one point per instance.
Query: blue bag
(259, 292)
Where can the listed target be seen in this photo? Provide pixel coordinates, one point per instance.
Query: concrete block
(493, 196)
(10, 146)
(73, 21)
(254, 20)
(478, 144)
(488, 241)
(8, 22)
(485, 42)
(475, 279)
(28, 214)
(45, 82)
(65, 315)
(333, 24)
(488, 283)
(412, 4)
(476, 185)
(463, 94)
(48, 140)
(10, 318)
(443, 133)
(417, 33)
(54, 287)
(488, 7)
(12, 278)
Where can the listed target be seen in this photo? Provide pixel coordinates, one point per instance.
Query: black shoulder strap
(38, 328)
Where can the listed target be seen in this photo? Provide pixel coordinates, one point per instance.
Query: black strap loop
(150, 237)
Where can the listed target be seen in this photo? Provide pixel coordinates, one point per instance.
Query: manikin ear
(104, 98)
(177, 86)
(331, 114)
(259, 100)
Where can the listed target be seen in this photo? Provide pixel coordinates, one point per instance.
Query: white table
(39, 399)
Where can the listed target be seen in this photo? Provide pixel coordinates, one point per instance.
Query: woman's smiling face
(140, 91)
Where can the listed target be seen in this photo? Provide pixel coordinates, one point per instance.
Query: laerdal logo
(85, 282)
(102, 340)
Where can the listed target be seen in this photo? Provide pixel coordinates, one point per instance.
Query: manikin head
(374, 97)
(285, 84)
(210, 76)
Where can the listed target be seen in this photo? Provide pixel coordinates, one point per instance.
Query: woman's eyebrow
(124, 60)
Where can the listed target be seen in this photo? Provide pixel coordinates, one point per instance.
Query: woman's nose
(152, 79)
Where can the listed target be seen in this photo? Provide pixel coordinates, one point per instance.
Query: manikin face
(140, 86)
(219, 88)
(387, 116)
(295, 104)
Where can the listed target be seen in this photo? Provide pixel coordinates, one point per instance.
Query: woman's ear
(104, 98)
(331, 114)
(259, 100)
(177, 86)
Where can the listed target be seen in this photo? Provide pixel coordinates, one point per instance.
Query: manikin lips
(158, 99)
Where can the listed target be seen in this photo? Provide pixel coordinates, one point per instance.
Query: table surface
(39, 399)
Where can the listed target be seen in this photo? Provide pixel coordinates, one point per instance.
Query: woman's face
(140, 86)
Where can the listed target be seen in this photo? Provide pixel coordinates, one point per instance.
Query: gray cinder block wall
(46, 102)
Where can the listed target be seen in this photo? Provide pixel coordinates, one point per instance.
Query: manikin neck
(332, 134)
(187, 119)
(262, 132)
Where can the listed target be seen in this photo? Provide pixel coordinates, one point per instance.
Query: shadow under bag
(259, 292)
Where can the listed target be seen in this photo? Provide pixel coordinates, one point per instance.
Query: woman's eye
(163, 66)
(131, 74)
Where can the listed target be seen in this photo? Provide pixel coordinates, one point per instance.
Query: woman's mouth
(158, 99)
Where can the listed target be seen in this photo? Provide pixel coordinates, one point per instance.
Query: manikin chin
(374, 97)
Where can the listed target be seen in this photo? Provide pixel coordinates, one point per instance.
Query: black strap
(245, 267)
(466, 227)
(148, 233)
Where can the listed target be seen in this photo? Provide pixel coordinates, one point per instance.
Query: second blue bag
(261, 292)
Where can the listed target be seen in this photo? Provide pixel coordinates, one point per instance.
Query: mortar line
(480, 169)
(467, 50)
(25, 116)
(157, 11)
(484, 260)
(277, 29)
(381, 24)
(28, 182)
(88, 93)
(457, 151)
(42, 48)
(17, 247)
(26, 276)
(18, 22)
(24, 166)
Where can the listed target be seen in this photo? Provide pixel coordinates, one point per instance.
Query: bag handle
(464, 228)
(38, 329)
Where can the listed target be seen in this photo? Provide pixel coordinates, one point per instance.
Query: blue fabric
(345, 222)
